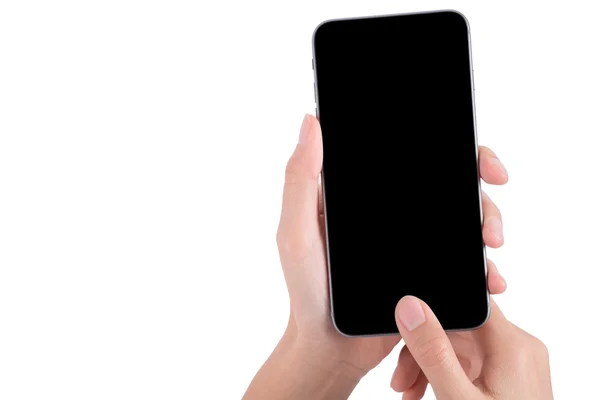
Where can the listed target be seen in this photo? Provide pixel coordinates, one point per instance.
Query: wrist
(353, 357)
(301, 369)
(320, 368)
(314, 362)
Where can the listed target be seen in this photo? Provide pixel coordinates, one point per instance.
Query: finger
(493, 234)
(466, 349)
(491, 168)
(431, 348)
(299, 212)
(496, 282)
(406, 372)
(497, 331)
(417, 390)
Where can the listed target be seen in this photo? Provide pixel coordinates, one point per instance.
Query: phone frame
(322, 177)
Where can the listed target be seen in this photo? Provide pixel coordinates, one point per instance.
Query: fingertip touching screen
(400, 174)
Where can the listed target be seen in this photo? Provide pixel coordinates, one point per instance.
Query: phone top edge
(343, 19)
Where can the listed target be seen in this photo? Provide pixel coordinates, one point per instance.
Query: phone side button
(315, 91)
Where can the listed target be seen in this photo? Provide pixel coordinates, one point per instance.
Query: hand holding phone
(302, 249)
(301, 244)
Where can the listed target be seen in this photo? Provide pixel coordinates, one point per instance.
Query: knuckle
(527, 350)
(539, 347)
(279, 237)
(531, 342)
(292, 245)
(285, 242)
(291, 174)
(434, 352)
(300, 169)
(291, 169)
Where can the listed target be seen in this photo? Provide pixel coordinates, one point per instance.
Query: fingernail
(410, 313)
(499, 164)
(304, 129)
(495, 226)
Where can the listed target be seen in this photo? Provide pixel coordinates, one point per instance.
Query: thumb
(432, 350)
(299, 223)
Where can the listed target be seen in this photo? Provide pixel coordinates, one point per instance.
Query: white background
(142, 152)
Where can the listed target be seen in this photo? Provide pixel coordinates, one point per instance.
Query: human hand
(504, 361)
(301, 243)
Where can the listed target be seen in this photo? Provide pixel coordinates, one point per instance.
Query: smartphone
(401, 188)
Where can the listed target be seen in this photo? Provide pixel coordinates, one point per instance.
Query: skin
(312, 360)
(510, 363)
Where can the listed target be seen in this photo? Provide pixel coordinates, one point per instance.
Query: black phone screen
(400, 174)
